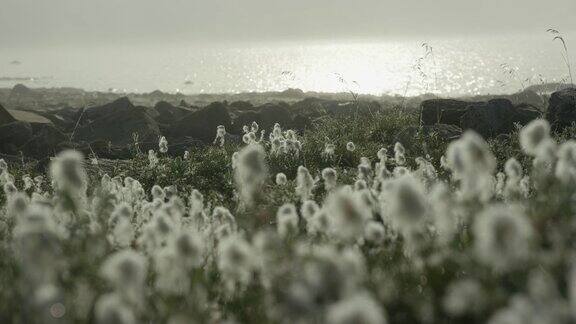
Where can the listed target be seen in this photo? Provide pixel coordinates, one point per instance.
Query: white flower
(349, 213)
(111, 309)
(163, 145)
(399, 154)
(407, 204)
(359, 308)
(350, 147)
(287, 220)
(464, 296)
(125, 269)
(67, 172)
(251, 171)
(304, 183)
(503, 236)
(533, 135)
(235, 260)
(308, 209)
(374, 232)
(330, 177)
(281, 179)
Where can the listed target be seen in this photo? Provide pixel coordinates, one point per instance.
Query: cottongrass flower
(152, 159)
(329, 151)
(359, 308)
(365, 169)
(382, 155)
(503, 237)
(126, 272)
(399, 154)
(251, 172)
(304, 183)
(514, 173)
(470, 155)
(189, 248)
(330, 177)
(350, 146)
(235, 261)
(566, 165)
(163, 145)
(533, 135)
(186, 155)
(374, 233)
(68, 173)
(308, 209)
(220, 135)
(111, 309)
(349, 213)
(443, 212)
(281, 179)
(3, 165)
(463, 297)
(10, 189)
(287, 220)
(407, 204)
(158, 193)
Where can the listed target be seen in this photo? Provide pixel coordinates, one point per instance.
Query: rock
(301, 123)
(414, 134)
(490, 118)
(244, 118)
(29, 117)
(168, 113)
(21, 91)
(45, 141)
(118, 127)
(13, 136)
(271, 114)
(242, 105)
(5, 116)
(202, 124)
(526, 113)
(442, 111)
(93, 113)
(311, 107)
(562, 108)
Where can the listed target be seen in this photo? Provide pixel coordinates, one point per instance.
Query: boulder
(562, 108)
(13, 136)
(92, 113)
(21, 91)
(442, 111)
(202, 124)
(526, 113)
(5, 116)
(301, 123)
(118, 127)
(168, 113)
(242, 105)
(271, 114)
(490, 118)
(44, 142)
(414, 134)
(244, 118)
(311, 107)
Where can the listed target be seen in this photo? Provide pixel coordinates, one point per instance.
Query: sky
(79, 22)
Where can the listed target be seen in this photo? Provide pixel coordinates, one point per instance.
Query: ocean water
(454, 66)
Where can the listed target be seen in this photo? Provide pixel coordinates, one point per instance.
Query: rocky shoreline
(38, 123)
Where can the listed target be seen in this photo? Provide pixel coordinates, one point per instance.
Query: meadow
(339, 224)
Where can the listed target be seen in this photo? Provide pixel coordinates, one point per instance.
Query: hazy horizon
(29, 23)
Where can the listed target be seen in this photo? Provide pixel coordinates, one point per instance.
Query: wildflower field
(340, 224)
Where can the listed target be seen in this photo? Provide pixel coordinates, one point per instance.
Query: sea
(449, 66)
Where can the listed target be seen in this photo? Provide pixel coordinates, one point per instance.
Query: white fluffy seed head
(251, 171)
(281, 179)
(407, 204)
(125, 269)
(350, 146)
(533, 135)
(330, 177)
(163, 145)
(470, 156)
(359, 308)
(513, 169)
(349, 213)
(287, 220)
(68, 173)
(502, 236)
(304, 183)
